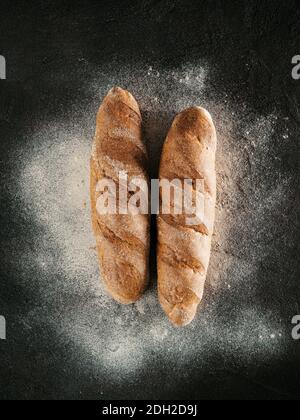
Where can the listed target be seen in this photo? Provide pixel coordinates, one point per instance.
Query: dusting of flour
(54, 191)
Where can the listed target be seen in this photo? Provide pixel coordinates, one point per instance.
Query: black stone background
(40, 36)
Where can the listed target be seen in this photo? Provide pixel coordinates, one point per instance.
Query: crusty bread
(122, 239)
(184, 250)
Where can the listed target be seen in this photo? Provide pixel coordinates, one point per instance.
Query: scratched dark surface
(43, 40)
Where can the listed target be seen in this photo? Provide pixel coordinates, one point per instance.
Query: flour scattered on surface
(54, 191)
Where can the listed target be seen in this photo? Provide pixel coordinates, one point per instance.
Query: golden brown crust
(184, 250)
(122, 240)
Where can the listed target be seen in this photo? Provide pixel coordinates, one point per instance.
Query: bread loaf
(122, 239)
(184, 249)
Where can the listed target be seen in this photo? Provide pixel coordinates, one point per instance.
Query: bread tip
(205, 112)
(124, 296)
(116, 91)
(180, 317)
(126, 302)
(123, 300)
(118, 94)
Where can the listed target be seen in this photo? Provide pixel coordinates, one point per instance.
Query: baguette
(122, 239)
(184, 250)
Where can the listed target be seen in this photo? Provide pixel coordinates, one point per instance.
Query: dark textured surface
(49, 48)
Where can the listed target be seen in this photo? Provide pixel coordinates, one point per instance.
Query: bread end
(180, 315)
(118, 94)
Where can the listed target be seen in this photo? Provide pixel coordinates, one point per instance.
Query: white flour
(54, 189)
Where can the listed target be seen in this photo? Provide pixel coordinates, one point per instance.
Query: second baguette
(184, 250)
